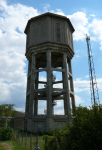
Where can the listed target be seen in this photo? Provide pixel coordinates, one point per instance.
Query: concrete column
(63, 74)
(35, 87)
(71, 82)
(36, 94)
(49, 120)
(66, 86)
(32, 84)
(49, 85)
(26, 91)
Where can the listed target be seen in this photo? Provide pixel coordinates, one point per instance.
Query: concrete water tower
(49, 47)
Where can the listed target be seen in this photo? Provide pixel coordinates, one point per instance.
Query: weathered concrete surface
(43, 50)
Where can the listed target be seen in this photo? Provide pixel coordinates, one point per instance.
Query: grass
(34, 139)
(15, 145)
(11, 145)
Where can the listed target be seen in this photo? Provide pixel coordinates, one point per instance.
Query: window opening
(59, 108)
(58, 31)
(41, 105)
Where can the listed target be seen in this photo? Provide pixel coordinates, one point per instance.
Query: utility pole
(93, 83)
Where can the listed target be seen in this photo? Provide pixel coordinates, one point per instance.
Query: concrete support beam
(49, 85)
(42, 82)
(32, 85)
(27, 92)
(66, 87)
(58, 89)
(35, 86)
(69, 73)
(42, 98)
(58, 98)
(72, 85)
(61, 93)
(55, 69)
(39, 70)
(71, 93)
(40, 90)
(57, 82)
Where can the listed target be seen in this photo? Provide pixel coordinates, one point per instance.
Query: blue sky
(86, 17)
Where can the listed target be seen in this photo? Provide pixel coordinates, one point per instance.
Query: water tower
(49, 48)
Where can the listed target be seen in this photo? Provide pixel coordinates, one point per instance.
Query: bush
(84, 133)
(6, 134)
(49, 143)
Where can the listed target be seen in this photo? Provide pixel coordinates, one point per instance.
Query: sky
(85, 16)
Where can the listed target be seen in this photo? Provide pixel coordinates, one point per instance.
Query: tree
(6, 111)
(85, 131)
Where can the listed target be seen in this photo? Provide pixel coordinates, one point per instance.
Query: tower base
(44, 124)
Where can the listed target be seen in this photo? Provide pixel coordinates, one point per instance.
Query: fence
(29, 141)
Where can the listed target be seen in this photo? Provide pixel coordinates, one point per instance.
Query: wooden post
(22, 138)
(37, 138)
(26, 140)
(19, 137)
(31, 141)
(15, 135)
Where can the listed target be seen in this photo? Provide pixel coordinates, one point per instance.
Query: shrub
(6, 134)
(85, 131)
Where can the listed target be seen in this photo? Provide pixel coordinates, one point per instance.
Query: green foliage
(85, 131)
(6, 134)
(6, 110)
(49, 142)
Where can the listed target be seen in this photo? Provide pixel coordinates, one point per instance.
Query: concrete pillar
(27, 91)
(35, 87)
(66, 86)
(63, 74)
(49, 85)
(49, 121)
(72, 85)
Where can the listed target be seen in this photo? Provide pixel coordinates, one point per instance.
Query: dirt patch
(8, 147)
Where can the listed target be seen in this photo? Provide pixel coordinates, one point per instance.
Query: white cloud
(81, 85)
(80, 22)
(77, 56)
(60, 12)
(78, 100)
(59, 112)
(87, 76)
(96, 28)
(46, 8)
(99, 84)
(20, 109)
(42, 78)
(92, 15)
(13, 19)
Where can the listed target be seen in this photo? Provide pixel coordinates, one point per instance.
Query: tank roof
(49, 14)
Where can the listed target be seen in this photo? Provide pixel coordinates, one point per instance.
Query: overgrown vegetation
(6, 134)
(84, 133)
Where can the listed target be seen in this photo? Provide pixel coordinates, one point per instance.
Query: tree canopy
(6, 110)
